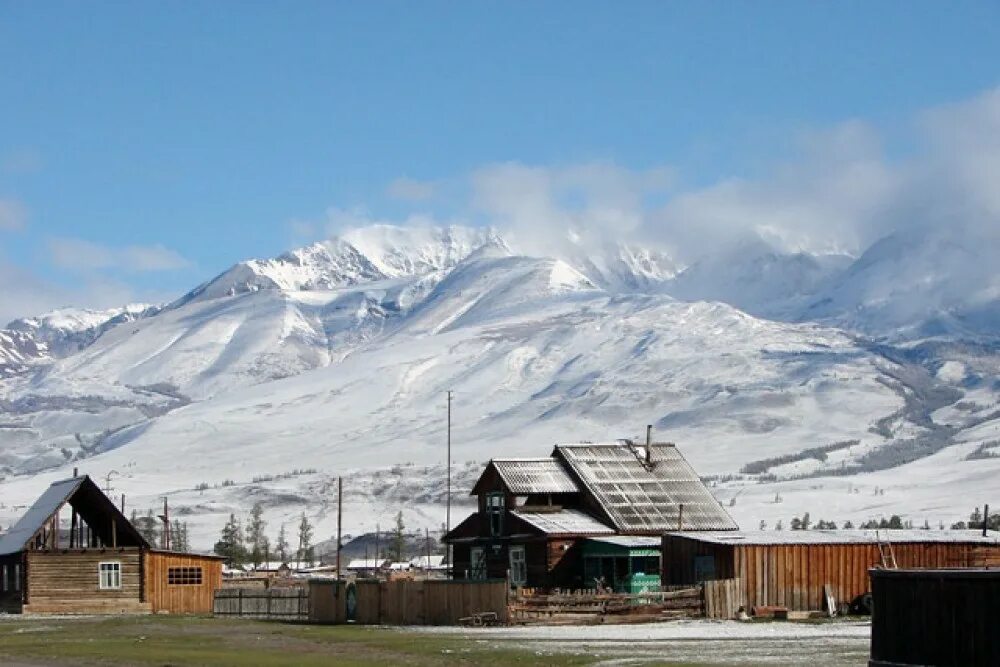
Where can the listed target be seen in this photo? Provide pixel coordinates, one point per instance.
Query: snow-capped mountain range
(847, 387)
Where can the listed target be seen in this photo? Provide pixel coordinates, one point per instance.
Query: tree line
(151, 528)
(240, 543)
(894, 522)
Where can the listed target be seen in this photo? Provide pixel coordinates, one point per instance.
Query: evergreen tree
(230, 544)
(848, 525)
(255, 534)
(398, 538)
(281, 547)
(305, 552)
(147, 527)
(178, 536)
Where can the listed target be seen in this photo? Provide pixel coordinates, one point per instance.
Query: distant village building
(588, 515)
(100, 565)
(368, 567)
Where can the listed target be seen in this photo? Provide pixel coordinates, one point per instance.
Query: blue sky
(146, 146)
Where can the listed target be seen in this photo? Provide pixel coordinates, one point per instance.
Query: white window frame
(518, 565)
(109, 575)
(477, 557)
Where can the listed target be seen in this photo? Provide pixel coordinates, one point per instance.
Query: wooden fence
(442, 602)
(723, 598)
(428, 602)
(586, 607)
(273, 604)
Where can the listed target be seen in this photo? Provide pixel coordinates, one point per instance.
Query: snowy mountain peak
(362, 255)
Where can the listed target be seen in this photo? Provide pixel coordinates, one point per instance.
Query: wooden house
(536, 516)
(790, 568)
(98, 563)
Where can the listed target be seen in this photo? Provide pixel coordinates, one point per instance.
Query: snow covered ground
(689, 642)
(270, 381)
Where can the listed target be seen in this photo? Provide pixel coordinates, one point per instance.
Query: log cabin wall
(68, 582)
(181, 583)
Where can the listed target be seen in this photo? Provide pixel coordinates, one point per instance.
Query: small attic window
(495, 507)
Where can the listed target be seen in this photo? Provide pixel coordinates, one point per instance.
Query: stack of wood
(587, 607)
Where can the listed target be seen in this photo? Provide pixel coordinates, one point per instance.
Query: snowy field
(689, 642)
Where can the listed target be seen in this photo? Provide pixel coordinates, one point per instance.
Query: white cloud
(30, 294)
(13, 214)
(81, 255)
(409, 189)
(838, 191)
(547, 208)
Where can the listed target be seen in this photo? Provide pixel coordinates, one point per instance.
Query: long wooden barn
(99, 564)
(791, 568)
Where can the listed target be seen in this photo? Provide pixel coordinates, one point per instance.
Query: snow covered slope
(276, 377)
(53, 335)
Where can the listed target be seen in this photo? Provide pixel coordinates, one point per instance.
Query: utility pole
(165, 517)
(107, 482)
(448, 511)
(340, 514)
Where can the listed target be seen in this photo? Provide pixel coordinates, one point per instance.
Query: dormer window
(495, 509)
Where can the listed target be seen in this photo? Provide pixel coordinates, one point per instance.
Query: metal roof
(775, 537)
(644, 496)
(629, 541)
(58, 493)
(524, 476)
(564, 522)
(89, 501)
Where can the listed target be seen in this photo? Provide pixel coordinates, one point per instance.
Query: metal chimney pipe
(649, 442)
(75, 473)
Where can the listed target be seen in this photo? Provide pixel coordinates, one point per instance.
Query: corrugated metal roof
(524, 476)
(629, 541)
(58, 493)
(645, 497)
(774, 537)
(564, 522)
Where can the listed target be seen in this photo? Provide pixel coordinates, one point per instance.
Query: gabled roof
(90, 503)
(644, 495)
(527, 476)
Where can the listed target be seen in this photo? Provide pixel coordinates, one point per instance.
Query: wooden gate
(723, 598)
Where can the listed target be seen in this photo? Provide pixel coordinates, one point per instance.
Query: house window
(183, 576)
(495, 509)
(17, 576)
(5, 585)
(477, 563)
(518, 566)
(110, 575)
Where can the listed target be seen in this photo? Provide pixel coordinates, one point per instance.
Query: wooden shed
(94, 561)
(935, 617)
(790, 568)
(181, 583)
